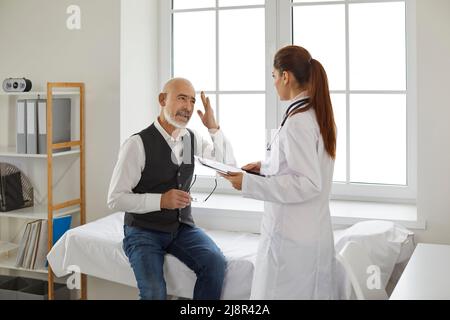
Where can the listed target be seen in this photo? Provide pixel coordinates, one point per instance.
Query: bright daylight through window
(222, 47)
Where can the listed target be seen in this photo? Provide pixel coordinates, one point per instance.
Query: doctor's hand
(207, 117)
(253, 167)
(235, 178)
(175, 199)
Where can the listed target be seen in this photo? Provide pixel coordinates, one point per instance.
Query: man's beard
(172, 121)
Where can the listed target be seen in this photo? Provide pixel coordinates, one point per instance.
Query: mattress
(96, 249)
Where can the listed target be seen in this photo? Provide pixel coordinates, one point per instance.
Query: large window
(364, 48)
(226, 48)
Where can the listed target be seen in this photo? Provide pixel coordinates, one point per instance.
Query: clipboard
(221, 167)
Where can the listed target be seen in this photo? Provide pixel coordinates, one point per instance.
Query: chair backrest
(361, 272)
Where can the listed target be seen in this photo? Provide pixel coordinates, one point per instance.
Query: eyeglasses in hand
(199, 200)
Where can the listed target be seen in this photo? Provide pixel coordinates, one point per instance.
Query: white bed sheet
(96, 248)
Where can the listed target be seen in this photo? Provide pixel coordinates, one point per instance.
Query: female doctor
(295, 257)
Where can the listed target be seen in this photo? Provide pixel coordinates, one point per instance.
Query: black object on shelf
(18, 288)
(16, 191)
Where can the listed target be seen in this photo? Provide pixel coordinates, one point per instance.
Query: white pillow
(382, 241)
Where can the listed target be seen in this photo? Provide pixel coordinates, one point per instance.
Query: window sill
(234, 213)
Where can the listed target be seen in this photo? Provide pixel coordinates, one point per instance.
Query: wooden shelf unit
(52, 209)
(11, 152)
(50, 149)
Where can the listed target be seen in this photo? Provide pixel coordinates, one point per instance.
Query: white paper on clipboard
(218, 166)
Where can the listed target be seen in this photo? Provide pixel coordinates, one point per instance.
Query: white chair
(359, 269)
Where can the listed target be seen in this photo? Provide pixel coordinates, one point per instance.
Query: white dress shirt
(131, 164)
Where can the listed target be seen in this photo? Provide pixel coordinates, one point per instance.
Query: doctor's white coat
(295, 257)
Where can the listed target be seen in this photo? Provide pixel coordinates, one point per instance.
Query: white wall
(139, 66)
(35, 43)
(433, 43)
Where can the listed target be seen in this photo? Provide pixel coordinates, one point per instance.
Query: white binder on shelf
(35, 244)
(28, 258)
(31, 127)
(42, 126)
(23, 245)
(41, 255)
(61, 123)
(21, 120)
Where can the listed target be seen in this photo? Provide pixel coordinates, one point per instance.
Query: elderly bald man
(151, 183)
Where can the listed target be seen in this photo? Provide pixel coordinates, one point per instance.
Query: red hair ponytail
(311, 75)
(321, 102)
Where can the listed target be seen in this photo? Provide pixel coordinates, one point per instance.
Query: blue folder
(60, 226)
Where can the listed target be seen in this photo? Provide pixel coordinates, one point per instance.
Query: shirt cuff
(245, 185)
(214, 132)
(264, 168)
(153, 202)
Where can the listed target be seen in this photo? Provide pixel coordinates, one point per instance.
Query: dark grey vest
(160, 175)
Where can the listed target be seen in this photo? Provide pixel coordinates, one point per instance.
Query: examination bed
(96, 248)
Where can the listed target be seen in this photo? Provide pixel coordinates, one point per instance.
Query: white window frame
(278, 34)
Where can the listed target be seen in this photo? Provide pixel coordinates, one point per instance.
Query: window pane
(232, 3)
(378, 139)
(321, 30)
(193, 4)
(194, 48)
(242, 118)
(340, 117)
(377, 46)
(242, 50)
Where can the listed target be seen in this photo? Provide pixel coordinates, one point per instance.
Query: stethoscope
(297, 105)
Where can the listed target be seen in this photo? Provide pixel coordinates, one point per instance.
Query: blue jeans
(145, 250)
